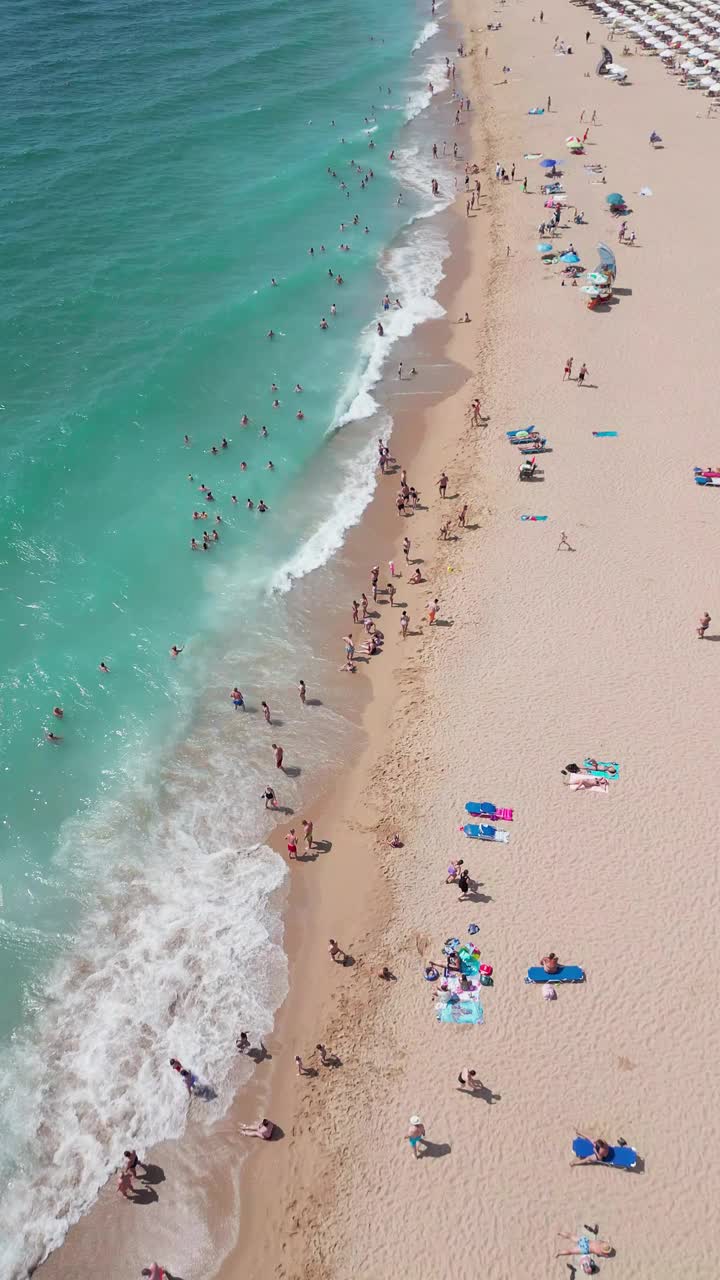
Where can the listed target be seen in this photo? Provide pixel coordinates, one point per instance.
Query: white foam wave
(421, 97)
(182, 950)
(429, 30)
(356, 488)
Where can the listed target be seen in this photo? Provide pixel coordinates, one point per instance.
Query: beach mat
(533, 517)
(600, 434)
(622, 1157)
(566, 973)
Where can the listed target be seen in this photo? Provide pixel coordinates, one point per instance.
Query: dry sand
(546, 655)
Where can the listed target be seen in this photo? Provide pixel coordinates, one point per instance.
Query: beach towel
(585, 782)
(467, 1011)
(487, 810)
(533, 517)
(533, 155)
(599, 434)
(566, 973)
(604, 769)
(521, 433)
(621, 1158)
(485, 832)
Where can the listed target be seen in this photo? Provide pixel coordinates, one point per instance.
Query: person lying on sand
(550, 963)
(583, 1246)
(601, 1151)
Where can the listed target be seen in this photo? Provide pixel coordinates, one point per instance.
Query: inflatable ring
(432, 977)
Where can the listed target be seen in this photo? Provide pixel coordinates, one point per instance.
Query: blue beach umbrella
(569, 257)
(548, 164)
(614, 198)
(544, 248)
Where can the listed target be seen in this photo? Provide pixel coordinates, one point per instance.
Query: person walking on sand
(365, 604)
(390, 592)
(335, 952)
(307, 833)
(292, 843)
(582, 375)
(564, 542)
(468, 1081)
(549, 102)
(462, 516)
(567, 371)
(125, 1184)
(404, 623)
(703, 625)
(433, 606)
(416, 1135)
(279, 753)
(406, 549)
(326, 1059)
(524, 185)
(442, 484)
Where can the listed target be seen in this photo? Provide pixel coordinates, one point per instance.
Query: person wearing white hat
(415, 1135)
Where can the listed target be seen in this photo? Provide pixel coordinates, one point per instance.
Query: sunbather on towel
(602, 1151)
(586, 782)
(583, 1246)
(550, 963)
(454, 963)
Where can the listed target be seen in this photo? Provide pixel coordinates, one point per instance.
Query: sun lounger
(605, 769)
(484, 832)
(622, 1157)
(484, 809)
(533, 517)
(601, 434)
(708, 480)
(566, 973)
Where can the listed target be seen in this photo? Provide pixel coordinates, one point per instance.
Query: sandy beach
(548, 656)
(540, 656)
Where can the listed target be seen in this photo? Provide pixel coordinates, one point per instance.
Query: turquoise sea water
(160, 164)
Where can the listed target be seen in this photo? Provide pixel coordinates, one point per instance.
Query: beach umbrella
(591, 289)
(544, 248)
(548, 164)
(570, 257)
(607, 258)
(596, 277)
(614, 198)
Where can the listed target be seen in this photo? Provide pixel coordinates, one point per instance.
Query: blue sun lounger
(566, 973)
(485, 832)
(621, 1158)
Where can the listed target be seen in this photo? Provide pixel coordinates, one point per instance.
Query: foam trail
(429, 30)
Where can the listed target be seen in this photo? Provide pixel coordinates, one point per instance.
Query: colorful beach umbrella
(548, 164)
(614, 198)
(596, 277)
(544, 248)
(569, 257)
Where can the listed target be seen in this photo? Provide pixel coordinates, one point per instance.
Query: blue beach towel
(621, 1157)
(604, 433)
(468, 1011)
(566, 973)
